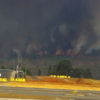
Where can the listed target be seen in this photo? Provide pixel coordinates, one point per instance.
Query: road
(80, 95)
(16, 99)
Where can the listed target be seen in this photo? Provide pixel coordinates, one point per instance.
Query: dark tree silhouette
(62, 68)
(3, 67)
(26, 70)
(39, 72)
(49, 70)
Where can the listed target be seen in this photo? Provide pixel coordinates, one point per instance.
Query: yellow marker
(54, 75)
(65, 76)
(69, 77)
(19, 80)
(61, 76)
(12, 79)
(51, 75)
(57, 76)
(16, 79)
(4, 80)
(0, 79)
(23, 80)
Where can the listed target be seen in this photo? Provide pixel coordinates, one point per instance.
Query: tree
(26, 70)
(78, 72)
(49, 70)
(11, 68)
(82, 72)
(63, 68)
(87, 73)
(3, 67)
(54, 72)
(39, 72)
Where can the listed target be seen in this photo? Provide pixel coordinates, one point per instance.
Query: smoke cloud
(49, 27)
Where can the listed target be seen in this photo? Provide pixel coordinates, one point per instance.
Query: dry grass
(56, 83)
(29, 78)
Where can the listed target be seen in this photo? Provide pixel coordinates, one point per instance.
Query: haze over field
(49, 27)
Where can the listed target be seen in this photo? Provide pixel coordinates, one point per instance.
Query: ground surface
(62, 88)
(17, 99)
(57, 83)
(48, 94)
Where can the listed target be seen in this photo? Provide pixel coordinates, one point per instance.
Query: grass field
(51, 82)
(57, 83)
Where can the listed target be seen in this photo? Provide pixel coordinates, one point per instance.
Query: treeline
(65, 68)
(62, 68)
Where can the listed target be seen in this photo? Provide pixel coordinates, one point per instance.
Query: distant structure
(7, 73)
(15, 72)
(19, 71)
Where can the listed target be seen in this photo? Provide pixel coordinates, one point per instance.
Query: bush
(26, 70)
(87, 73)
(82, 73)
(77, 72)
(39, 72)
(3, 67)
(62, 68)
(65, 68)
(49, 70)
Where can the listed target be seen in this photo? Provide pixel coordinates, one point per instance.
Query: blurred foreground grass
(4, 95)
(24, 96)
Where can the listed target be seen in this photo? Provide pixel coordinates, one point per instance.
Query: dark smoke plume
(49, 27)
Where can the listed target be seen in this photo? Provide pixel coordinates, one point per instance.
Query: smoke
(49, 27)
